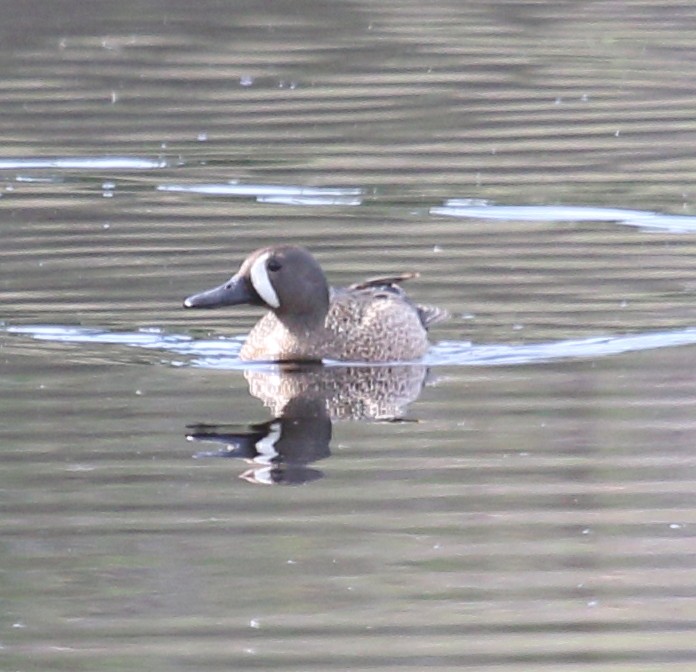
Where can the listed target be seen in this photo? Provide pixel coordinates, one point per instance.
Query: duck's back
(369, 325)
(372, 321)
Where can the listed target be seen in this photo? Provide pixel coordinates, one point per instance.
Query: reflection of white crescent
(266, 447)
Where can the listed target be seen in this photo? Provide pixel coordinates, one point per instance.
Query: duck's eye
(273, 265)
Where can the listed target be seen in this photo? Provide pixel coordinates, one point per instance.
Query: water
(521, 500)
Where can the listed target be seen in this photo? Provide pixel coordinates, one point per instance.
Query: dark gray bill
(235, 291)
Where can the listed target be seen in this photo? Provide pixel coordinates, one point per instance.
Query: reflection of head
(280, 449)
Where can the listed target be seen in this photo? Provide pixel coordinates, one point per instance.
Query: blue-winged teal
(373, 321)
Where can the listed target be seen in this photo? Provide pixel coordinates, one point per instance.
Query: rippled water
(521, 499)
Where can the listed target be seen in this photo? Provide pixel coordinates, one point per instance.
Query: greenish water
(526, 502)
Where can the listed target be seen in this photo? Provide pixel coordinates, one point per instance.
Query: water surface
(522, 500)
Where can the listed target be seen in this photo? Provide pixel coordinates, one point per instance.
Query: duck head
(287, 280)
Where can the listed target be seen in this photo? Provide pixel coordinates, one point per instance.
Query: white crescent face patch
(262, 283)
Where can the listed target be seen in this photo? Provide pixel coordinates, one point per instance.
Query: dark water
(523, 500)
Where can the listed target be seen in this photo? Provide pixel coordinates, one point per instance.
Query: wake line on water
(644, 219)
(224, 353)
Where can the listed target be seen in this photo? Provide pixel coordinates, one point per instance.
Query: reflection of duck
(280, 450)
(346, 392)
(304, 400)
(372, 321)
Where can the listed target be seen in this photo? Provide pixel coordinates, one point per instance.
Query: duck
(309, 321)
